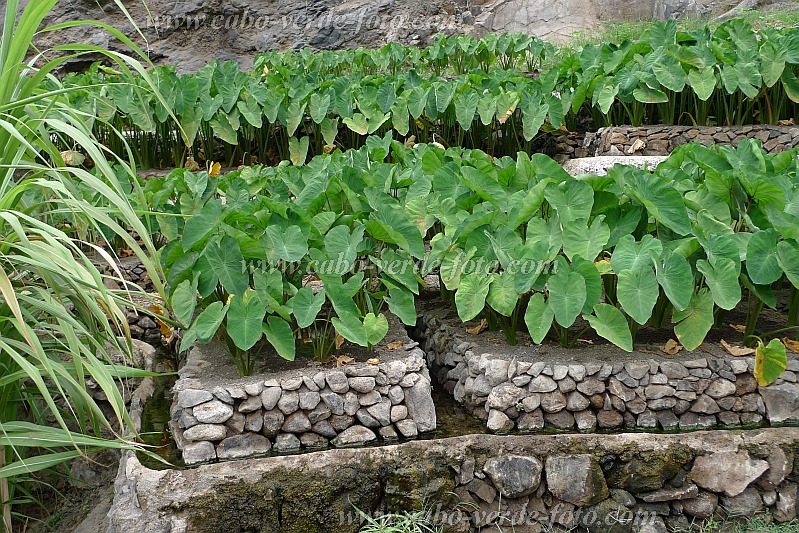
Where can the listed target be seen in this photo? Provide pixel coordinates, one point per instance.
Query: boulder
(576, 479)
(514, 476)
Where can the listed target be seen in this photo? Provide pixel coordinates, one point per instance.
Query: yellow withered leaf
(737, 351)
(478, 328)
(671, 347)
(395, 345)
(213, 169)
(339, 341)
(373, 361)
(791, 344)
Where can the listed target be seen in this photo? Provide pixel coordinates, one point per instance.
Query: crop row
(458, 92)
(517, 241)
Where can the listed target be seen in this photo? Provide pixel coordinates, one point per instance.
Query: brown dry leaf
(410, 142)
(586, 341)
(166, 329)
(789, 122)
(478, 328)
(342, 360)
(791, 344)
(191, 164)
(437, 145)
(329, 148)
(213, 170)
(737, 351)
(395, 345)
(671, 347)
(339, 340)
(507, 115)
(637, 145)
(740, 328)
(373, 361)
(72, 158)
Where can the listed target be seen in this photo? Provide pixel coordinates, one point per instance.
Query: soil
(589, 347)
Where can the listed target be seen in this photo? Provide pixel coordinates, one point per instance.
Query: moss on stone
(639, 471)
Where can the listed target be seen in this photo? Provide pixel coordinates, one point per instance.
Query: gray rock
(705, 405)
(396, 394)
(270, 396)
(498, 422)
(362, 384)
(291, 384)
(252, 403)
(398, 412)
(254, 389)
(335, 402)
(586, 420)
(609, 419)
(727, 472)
(388, 433)
(222, 395)
(496, 371)
(351, 403)
(319, 380)
(521, 381)
(311, 385)
(720, 388)
(210, 432)
(354, 436)
(647, 419)
(365, 418)
(313, 440)
(236, 423)
(337, 381)
(254, 422)
(577, 402)
(309, 400)
(654, 392)
(421, 409)
(213, 412)
(560, 420)
(703, 506)
(514, 476)
(341, 422)
(780, 465)
(782, 402)
(239, 446)
(287, 442)
(370, 398)
(407, 428)
(325, 429)
(289, 402)
(381, 412)
(410, 379)
(786, 508)
(552, 402)
(273, 421)
(591, 386)
(567, 384)
(559, 372)
(637, 370)
(576, 479)
(673, 370)
(655, 525)
(505, 396)
(297, 423)
(747, 503)
(395, 371)
(542, 383)
(320, 412)
(577, 372)
(198, 452)
(616, 388)
(668, 420)
(536, 368)
(531, 402)
(531, 421)
(361, 371)
(191, 397)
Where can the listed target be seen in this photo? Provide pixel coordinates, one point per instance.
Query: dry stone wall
(525, 391)
(354, 404)
(631, 483)
(662, 140)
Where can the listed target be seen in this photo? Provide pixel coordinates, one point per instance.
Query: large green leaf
(693, 323)
(675, 276)
(567, 295)
(471, 295)
(662, 200)
(202, 224)
(761, 257)
(572, 200)
(278, 333)
(400, 302)
(305, 305)
(637, 291)
(184, 301)
(585, 241)
(226, 261)
(723, 281)
(318, 107)
(289, 244)
(770, 361)
(208, 322)
(245, 317)
(376, 327)
(465, 109)
(538, 317)
(610, 324)
(788, 258)
(703, 82)
(502, 295)
(631, 255)
(351, 328)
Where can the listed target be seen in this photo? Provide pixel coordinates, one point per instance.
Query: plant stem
(5, 494)
(754, 307)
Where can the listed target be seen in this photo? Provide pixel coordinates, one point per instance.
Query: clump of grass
(761, 523)
(406, 522)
